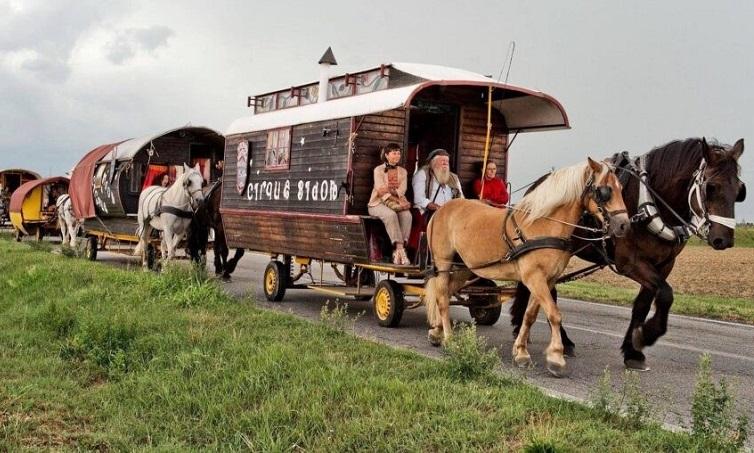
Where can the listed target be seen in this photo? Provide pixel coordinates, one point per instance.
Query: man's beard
(442, 175)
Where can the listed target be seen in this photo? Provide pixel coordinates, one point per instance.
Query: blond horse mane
(561, 187)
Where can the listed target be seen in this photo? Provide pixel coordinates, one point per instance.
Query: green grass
(744, 237)
(715, 307)
(95, 357)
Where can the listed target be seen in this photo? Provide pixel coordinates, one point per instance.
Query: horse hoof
(434, 340)
(569, 350)
(637, 339)
(523, 362)
(558, 370)
(636, 365)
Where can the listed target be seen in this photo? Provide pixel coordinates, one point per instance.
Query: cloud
(129, 42)
(45, 33)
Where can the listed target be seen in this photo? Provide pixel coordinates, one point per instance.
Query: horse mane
(561, 187)
(681, 157)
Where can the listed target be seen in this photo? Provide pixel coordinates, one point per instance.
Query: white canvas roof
(533, 110)
(128, 149)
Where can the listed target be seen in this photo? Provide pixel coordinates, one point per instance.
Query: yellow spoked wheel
(388, 303)
(275, 281)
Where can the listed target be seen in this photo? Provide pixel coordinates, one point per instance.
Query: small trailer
(107, 182)
(298, 173)
(32, 207)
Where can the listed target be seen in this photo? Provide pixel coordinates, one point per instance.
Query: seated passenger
(434, 184)
(495, 192)
(389, 202)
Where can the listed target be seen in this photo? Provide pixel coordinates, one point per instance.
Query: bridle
(701, 219)
(601, 194)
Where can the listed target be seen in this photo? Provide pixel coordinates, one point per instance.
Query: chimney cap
(328, 58)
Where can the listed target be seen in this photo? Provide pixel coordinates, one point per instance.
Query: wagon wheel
(485, 316)
(39, 234)
(90, 250)
(275, 281)
(388, 303)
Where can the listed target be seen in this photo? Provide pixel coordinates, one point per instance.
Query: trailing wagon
(107, 182)
(10, 180)
(32, 206)
(298, 171)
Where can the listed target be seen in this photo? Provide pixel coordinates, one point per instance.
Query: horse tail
(430, 301)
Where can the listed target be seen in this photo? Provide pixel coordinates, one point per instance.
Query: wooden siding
(374, 132)
(320, 160)
(473, 132)
(339, 238)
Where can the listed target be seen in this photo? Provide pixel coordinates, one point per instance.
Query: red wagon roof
(19, 195)
(80, 189)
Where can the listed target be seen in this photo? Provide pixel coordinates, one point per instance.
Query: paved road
(596, 329)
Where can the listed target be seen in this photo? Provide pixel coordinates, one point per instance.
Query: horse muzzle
(619, 224)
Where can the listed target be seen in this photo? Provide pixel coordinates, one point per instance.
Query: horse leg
(658, 324)
(518, 309)
(233, 262)
(556, 364)
(632, 357)
(443, 303)
(520, 353)
(146, 234)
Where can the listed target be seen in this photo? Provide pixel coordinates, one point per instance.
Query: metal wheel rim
(269, 282)
(382, 303)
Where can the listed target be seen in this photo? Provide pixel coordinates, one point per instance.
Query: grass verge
(101, 358)
(715, 307)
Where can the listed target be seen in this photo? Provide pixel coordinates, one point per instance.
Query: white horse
(67, 222)
(169, 210)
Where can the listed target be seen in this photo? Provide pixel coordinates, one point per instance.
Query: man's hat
(435, 153)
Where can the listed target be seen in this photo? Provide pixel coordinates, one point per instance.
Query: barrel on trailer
(32, 206)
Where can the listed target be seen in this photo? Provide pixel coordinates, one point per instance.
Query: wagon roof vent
(328, 57)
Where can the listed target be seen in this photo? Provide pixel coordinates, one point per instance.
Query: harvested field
(698, 271)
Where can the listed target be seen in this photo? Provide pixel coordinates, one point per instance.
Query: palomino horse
(67, 222)
(701, 183)
(169, 210)
(484, 238)
(208, 216)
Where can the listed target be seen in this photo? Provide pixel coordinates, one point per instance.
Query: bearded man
(434, 184)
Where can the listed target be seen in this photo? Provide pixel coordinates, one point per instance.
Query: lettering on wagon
(301, 190)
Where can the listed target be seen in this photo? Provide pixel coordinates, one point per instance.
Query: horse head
(603, 199)
(192, 181)
(716, 188)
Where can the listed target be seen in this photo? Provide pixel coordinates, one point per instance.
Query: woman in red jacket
(495, 192)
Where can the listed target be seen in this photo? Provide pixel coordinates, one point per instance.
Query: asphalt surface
(596, 329)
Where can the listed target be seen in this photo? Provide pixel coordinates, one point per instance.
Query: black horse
(208, 216)
(697, 180)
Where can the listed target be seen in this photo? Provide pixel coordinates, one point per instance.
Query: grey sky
(631, 75)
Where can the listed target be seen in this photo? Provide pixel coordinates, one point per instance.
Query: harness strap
(173, 210)
(539, 243)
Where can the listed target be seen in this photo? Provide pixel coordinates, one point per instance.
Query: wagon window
(278, 153)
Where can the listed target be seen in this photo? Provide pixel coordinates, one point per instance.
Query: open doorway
(431, 125)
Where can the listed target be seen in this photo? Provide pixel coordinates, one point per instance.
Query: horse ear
(737, 149)
(197, 168)
(186, 167)
(706, 150)
(596, 166)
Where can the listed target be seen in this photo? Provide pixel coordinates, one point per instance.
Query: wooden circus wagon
(10, 180)
(32, 206)
(299, 172)
(107, 182)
